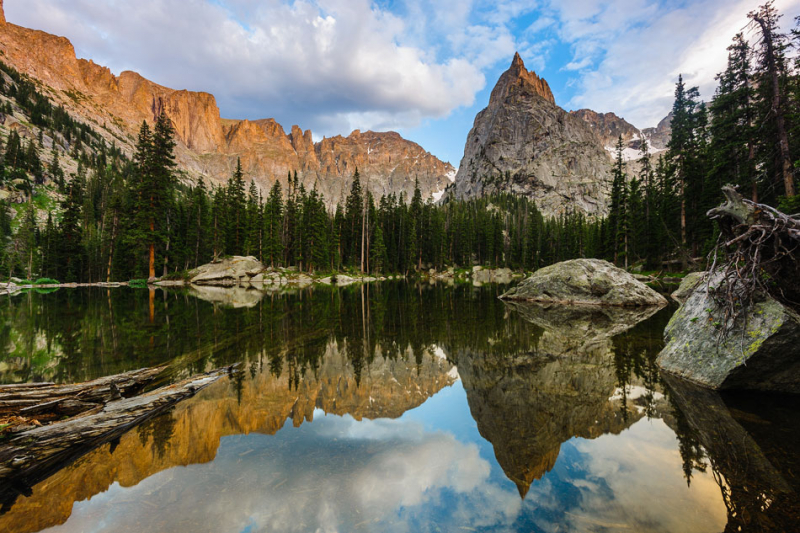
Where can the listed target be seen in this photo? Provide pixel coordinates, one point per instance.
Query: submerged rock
(587, 282)
(761, 352)
(228, 271)
(582, 324)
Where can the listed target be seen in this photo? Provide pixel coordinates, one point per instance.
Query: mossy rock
(585, 282)
(761, 351)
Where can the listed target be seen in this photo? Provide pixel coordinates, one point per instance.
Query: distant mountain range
(209, 145)
(522, 142)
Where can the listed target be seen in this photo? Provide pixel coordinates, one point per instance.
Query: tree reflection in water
(544, 386)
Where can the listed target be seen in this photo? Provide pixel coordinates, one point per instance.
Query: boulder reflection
(566, 385)
(750, 442)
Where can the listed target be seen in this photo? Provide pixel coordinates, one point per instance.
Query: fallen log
(31, 456)
(47, 398)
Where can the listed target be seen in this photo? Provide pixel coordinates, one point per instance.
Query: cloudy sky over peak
(421, 67)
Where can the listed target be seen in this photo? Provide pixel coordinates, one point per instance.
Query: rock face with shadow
(246, 403)
(529, 403)
(756, 468)
(759, 352)
(525, 144)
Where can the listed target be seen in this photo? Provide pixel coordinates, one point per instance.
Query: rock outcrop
(228, 271)
(687, 287)
(585, 282)
(608, 128)
(760, 352)
(660, 135)
(524, 143)
(208, 145)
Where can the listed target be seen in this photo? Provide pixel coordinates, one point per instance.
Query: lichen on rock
(585, 282)
(760, 351)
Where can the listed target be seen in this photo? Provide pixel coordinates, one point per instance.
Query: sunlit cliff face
(210, 146)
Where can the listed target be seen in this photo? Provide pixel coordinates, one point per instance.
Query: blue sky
(424, 68)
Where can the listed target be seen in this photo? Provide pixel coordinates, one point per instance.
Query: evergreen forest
(120, 217)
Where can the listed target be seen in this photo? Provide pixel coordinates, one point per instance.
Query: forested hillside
(108, 217)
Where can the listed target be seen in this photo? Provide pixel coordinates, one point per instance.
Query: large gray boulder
(586, 282)
(228, 271)
(761, 352)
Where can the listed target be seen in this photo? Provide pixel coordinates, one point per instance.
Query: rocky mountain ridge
(524, 143)
(208, 146)
(608, 128)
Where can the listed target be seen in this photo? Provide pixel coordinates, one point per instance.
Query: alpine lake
(396, 407)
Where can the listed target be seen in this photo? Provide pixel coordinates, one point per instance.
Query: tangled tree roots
(756, 255)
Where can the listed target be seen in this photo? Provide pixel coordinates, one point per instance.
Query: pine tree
(378, 259)
(237, 212)
(354, 212)
(772, 74)
(70, 253)
(681, 153)
(273, 225)
(733, 135)
(617, 217)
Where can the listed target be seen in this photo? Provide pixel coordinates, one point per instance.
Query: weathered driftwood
(31, 456)
(37, 399)
(760, 251)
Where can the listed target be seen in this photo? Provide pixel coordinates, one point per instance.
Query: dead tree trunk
(758, 253)
(29, 457)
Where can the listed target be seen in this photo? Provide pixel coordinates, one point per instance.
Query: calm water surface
(397, 407)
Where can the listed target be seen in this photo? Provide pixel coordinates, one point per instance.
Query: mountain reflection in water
(386, 408)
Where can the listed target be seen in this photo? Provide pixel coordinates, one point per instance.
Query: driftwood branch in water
(43, 401)
(759, 248)
(31, 456)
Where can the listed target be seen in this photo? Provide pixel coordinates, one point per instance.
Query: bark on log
(40, 398)
(31, 456)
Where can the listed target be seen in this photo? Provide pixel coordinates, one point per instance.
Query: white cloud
(328, 65)
(640, 47)
(333, 475)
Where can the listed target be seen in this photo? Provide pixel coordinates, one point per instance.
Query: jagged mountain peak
(2, 13)
(524, 143)
(519, 79)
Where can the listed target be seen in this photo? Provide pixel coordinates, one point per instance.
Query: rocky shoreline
(248, 272)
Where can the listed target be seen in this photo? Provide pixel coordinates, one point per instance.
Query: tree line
(123, 218)
(746, 136)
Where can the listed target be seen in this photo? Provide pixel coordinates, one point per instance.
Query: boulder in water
(760, 351)
(586, 282)
(228, 271)
(688, 285)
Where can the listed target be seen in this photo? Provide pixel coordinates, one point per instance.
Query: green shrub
(138, 283)
(46, 281)
(182, 275)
